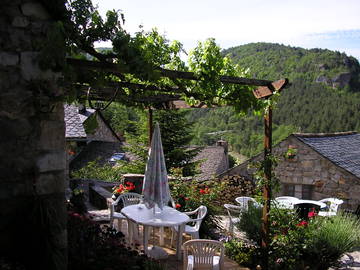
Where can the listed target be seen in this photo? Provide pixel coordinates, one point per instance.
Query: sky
(326, 24)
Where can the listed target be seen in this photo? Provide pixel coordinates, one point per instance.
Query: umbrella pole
(150, 119)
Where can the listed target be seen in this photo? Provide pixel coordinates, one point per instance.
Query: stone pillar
(32, 141)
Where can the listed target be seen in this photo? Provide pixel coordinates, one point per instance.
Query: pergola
(170, 98)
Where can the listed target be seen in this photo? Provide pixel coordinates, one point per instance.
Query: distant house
(88, 136)
(316, 166)
(214, 159)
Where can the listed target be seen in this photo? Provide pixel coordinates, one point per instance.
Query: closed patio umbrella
(156, 187)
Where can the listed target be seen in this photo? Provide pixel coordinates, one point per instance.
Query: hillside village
(113, 159)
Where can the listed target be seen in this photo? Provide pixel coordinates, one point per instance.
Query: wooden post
(150, 119)
(266, 188)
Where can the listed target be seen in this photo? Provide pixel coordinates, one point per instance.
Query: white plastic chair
(193, 230)
(126, 199)
(233, 214)
(333, 206)
(244, 202)
(201, 253)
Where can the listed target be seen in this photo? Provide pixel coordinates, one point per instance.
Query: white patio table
(168, 217)
(321, 204)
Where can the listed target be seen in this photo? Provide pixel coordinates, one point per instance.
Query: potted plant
(290, 153)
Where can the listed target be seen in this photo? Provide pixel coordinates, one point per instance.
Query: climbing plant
(142, 57)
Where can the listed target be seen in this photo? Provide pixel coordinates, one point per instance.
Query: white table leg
(161, 232)
(130, 230)
(146, 238)
(181, 229)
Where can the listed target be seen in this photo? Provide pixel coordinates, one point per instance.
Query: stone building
(32, 141)
(214, 160)
(88, 136)
(316, 166)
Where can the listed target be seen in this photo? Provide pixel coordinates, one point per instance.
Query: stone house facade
(319, 166)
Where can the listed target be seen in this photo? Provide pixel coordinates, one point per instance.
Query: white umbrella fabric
(156, 186)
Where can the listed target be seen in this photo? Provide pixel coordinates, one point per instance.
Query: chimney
(223, 144)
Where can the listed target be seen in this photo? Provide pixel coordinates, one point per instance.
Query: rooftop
(342, 148)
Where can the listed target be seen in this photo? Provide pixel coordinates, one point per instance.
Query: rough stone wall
(310, 168)
(32, 141)
(102, 132)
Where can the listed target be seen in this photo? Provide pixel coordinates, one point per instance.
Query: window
(289, 190)
(298, 191)
(306, 192)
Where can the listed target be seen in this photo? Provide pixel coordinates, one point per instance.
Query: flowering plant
(120, 189)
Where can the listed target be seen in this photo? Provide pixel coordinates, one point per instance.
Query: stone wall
(102, 132)
(309, 168)
(32, 141)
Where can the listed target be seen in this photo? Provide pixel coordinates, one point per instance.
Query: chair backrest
(333, 203)
(244, 202)
(128, 198)
(201, 213)
(203, 252)
(233, 209)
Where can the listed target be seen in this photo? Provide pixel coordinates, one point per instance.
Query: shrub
(189, 195)
(93, 247)
(317, 243)
(106, 172)
(245, 254)
(250, 223)
(330, 240)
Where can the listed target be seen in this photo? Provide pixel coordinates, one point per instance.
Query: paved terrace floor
(350, 261)
(171, 262)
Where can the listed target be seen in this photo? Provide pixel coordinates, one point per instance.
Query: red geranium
(312, 213)
(303, 223)
(178, 205)
(204, 191)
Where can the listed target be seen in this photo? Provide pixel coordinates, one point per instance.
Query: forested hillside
(324, 96)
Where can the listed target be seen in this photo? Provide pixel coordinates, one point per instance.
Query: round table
(304, 207)
(168, 217)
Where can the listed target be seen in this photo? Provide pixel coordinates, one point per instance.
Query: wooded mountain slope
(324, 96)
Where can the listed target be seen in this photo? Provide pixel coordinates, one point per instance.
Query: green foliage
(93, 247)
(106, 172)
(121, 118)
(250, 223)
(140, 57)
(318, 242)
(245, 135)
(176, 136)
(245, 254)
(91, 124)
(93, 170)
(306, 106)
(189, 195)
(334, 237)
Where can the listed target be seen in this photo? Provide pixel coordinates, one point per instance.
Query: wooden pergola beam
(172, 74)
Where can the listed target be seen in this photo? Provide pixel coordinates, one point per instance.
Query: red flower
(303, 223)
(186, 199)
(178, 205)
(312, 213)
(204, 191)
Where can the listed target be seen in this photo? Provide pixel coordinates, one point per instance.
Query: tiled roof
(74, 127)
(211, 165)
(343, 149)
